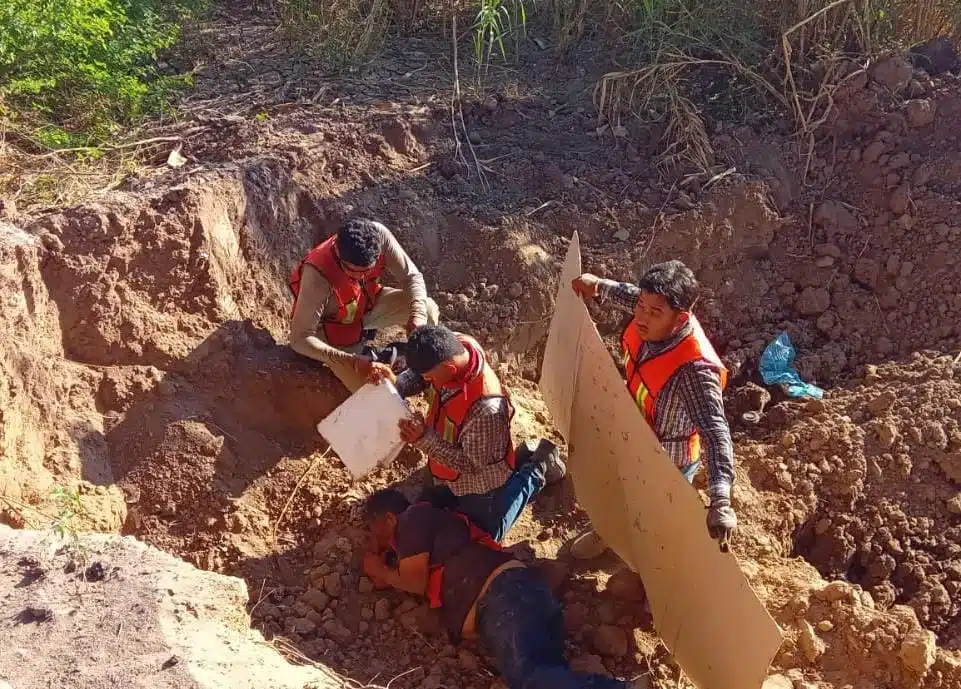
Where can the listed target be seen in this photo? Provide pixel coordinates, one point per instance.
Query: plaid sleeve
(622, 295)
(484, 439)
(699, 387)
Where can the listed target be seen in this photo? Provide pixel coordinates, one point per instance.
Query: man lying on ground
(479, 589)
(467, 432)
(338, 296)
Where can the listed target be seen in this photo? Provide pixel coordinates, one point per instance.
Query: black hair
(386, 501)
(430, 345)
(360, 242)
(674, 281)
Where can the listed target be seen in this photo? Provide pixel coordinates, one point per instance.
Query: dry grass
(33, 175)
(59, 179)
(342, 31)
(816, 48)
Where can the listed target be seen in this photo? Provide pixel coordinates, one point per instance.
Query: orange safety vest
(646, 379)
(355, 299)
(446, 419)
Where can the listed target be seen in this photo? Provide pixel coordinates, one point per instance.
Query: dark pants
(522, 625)
(495, 511)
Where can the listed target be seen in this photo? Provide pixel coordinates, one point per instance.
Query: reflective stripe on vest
(447, 418)
(646, 380)
(354, 298)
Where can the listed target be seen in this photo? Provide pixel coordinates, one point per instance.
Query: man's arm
(411, 280)
(314, 293)
(622, 295)
(484, 438)
(411, 574)
(700, 389)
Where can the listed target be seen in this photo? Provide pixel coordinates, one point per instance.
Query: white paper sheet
(363, 430)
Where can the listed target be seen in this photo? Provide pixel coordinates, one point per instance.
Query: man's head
(434, 352)
(668, 291)
(359, 245)
(380, 515)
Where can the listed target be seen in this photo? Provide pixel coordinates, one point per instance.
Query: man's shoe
(587, 546)
(554, 468)
(546, 454)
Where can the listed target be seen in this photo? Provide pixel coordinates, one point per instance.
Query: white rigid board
(363, 429)
(562, 343)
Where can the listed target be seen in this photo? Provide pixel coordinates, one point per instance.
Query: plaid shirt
(484, 439)
(691, 400)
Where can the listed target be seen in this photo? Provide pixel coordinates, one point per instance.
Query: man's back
(447, 539)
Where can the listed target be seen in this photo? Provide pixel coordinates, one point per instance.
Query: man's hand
(721, 522)
(361, 364)
(412, 430)
(379, 372)
(586, 286)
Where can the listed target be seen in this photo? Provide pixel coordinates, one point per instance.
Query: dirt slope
(110, 611)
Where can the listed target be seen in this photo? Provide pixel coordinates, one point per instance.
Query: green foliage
(69, 507)
(88, 64)
(495, 20)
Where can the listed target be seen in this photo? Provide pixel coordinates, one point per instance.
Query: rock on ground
(112, 611)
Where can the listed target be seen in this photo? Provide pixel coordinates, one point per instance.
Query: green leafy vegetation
(69, 508)
(73, 70)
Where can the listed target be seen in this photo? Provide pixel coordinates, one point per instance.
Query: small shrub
(88, 65)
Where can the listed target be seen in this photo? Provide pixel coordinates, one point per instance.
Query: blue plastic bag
(777, 368)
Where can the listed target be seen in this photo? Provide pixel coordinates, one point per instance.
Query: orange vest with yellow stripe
(446, 419)
(355, 299)
(646, 380)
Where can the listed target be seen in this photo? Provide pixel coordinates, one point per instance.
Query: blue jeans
(522, 625)
(497, 511)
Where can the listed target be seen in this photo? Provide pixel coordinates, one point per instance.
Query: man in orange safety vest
(338, 297)
(677, 380)
(466, 434)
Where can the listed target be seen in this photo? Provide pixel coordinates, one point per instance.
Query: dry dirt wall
(107, 611)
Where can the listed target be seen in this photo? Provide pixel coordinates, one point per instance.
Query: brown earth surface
(143, 360)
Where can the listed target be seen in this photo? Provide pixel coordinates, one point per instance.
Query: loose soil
(144, 360)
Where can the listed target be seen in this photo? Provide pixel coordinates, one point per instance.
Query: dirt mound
(874, 470)
(111, 611)
(48, 418)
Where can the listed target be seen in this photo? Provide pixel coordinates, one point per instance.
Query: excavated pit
(144, 362)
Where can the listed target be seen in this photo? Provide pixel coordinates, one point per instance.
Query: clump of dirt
(874, 470)
(108, 610)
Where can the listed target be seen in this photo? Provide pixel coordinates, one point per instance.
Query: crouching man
(466, 435)
(338, 297)
(479, 589)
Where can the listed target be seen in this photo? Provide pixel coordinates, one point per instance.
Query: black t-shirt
(467, 564)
